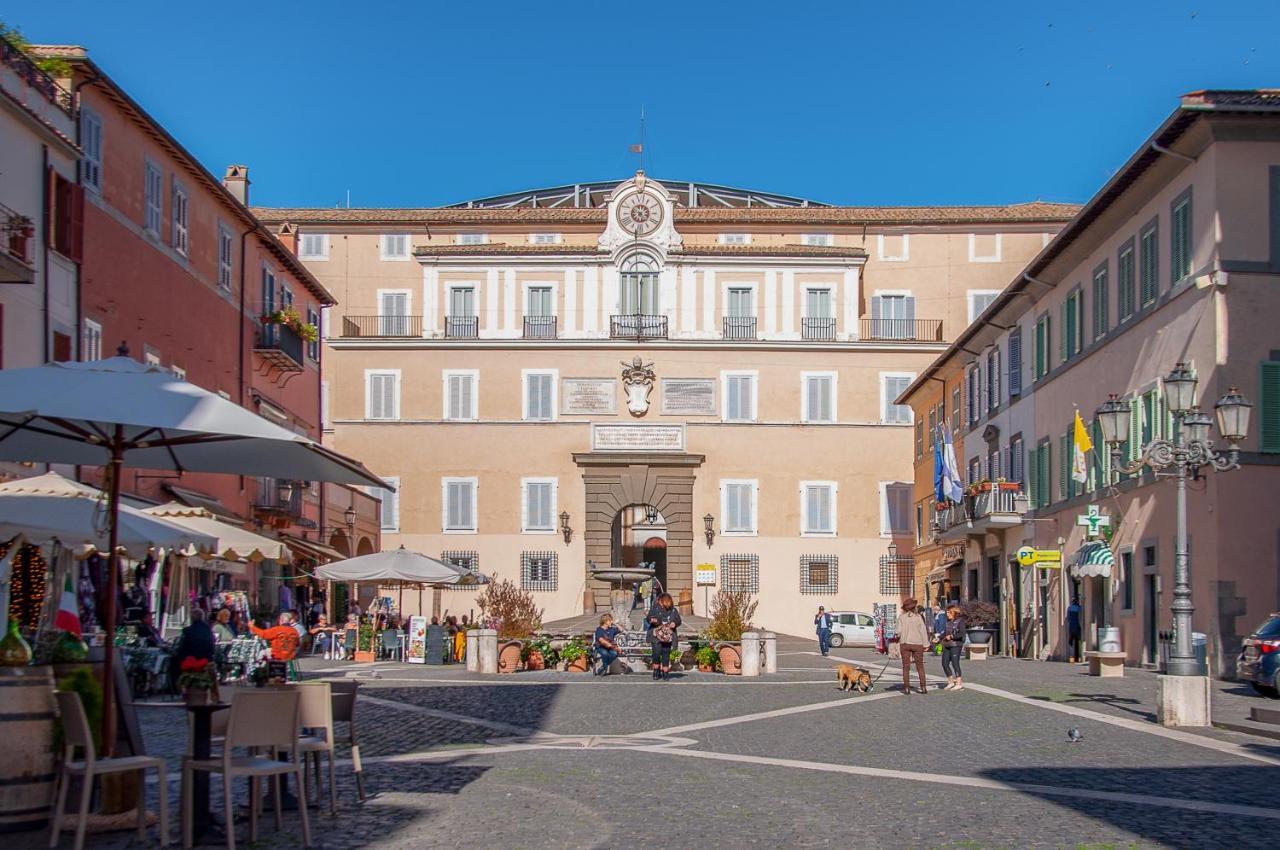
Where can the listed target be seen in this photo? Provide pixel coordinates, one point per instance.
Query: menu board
(417, 640)
(588, 396)
(689, 396)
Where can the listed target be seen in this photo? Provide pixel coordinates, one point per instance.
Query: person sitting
(147, 633)
(282, 637)
(606, 644)
(322, 634)
(222, 626)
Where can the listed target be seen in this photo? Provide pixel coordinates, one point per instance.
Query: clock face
(640, 213)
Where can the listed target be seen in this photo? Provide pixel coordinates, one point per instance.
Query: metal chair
(76, 734)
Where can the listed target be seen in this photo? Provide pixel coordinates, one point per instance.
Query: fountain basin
(622, 574)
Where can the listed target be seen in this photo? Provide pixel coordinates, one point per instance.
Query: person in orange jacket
(283, 638)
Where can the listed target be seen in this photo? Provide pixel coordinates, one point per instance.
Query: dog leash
(881, 673)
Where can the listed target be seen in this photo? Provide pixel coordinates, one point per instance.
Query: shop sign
(705, 575)
(1093, 521)
(1046, 558)
(417, 640)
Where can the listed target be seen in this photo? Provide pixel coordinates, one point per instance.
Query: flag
(951, 477)
(637, 148)
(68, 617)
(939, 472)
(1080, 444)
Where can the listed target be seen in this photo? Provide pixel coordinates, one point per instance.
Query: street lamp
(349, 515)
(709, 523)
(1189, 450)
(564, 526)
(651, 514)
(284, 492)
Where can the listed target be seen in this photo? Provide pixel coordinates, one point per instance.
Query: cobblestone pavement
(550, 760)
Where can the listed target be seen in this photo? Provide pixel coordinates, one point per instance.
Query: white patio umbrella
(119, 412)
(398, 566)
(233, 542)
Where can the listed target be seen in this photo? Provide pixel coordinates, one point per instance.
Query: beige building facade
(683, 375)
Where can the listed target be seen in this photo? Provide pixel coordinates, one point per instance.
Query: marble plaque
(588, 395)
(689, 396)
(637, 438)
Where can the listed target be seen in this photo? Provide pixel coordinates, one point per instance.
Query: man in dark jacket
(197, 639)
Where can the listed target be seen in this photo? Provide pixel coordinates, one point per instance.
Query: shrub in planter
(707, 658)
(509, 609)
(574, 655)
(731, 613)
(980, 619)
(538, 654)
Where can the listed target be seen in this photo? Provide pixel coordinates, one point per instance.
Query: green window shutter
(1269, 408)
(1064, 333)
(1046, 479)
(1064, 467)
(1100, 461)
(1033, 490)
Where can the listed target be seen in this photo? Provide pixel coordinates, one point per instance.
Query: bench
(1106, 664)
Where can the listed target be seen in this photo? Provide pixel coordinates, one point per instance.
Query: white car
(852, 627)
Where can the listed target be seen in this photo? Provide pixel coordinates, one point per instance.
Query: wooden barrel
(26, 727)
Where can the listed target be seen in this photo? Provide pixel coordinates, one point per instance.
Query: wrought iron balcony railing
(381, 326)
(26, 68)
(820, 329)
(902, 330)
(462, 327)
(281, 345)
(739, 327)
(638, 326)
(1002, 504)
(539, 327)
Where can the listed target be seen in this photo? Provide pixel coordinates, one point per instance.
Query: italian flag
(68, 617)
(1080, 444)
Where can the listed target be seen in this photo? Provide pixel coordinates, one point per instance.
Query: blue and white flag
(950, 471)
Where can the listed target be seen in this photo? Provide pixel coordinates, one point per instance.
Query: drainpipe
(1158, 148)
(240, 323)
(44, 264)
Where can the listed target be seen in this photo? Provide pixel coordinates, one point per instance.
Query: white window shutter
(748, 387)
(734, 400)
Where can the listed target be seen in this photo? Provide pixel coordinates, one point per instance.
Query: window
(975, 470)
(463, 560)
(817, 303)
(1039, 484)
(818, 391)
(1040, 356)
(739, 400)
(313, 345)
(154, 185)
(740, 302)
(1101, 307)
(394, 246)
(541, 302)
(382, 394)
(893, 315)
(313, 246)
(180, 209)
(955, 409)
(974, 384)
(178, 372)
(1017, 460)
(984, 248)
(462, 302)
(920, 439)
(1124, 282)
(538, 570)
(893, 385)
(819, 240)
(1149, 248)
(638, 293)
(1066, 484)
(389, 511)
(150, 357)
(993, 463)
(893, 247)
(459, 505)
(1126, 581)
(735, 238)
(993, 379)
(740, 573)
(460, 394)
(1180, 237)
(895, 509)
(738, 502)
(539, 395)
(933, 428)
(544, 238)
(226, 256)
(819, 573)
(473, 239)
(1015, 363)
(393, 312)
(818, 508)
(979, 299)
(68, 218)
(91, 345)
(91, 149)
(1269, 408)
(1072, 325)
(538, 505)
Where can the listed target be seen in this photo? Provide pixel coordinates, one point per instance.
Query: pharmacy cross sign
(1093, 520)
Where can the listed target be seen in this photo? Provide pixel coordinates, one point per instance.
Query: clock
(640, 213)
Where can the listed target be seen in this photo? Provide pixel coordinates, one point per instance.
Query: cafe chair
(391, 644)
(315, 717)
(75, 734)
(343, 699)
(263, 719)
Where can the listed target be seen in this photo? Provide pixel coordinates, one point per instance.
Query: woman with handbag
(663, 619)
(952, 638)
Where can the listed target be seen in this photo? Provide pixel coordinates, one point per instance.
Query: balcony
(901, 330)
(818, 329)
(462, 327)
(361, 327)
(17, 247)
(278, 501)
(638, 326)
(280, 347)
(27, 70)
(739, 327)
(976, 515)
(539, 327)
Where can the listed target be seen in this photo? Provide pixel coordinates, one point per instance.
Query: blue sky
(424, 103)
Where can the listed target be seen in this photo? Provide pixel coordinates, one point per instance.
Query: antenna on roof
(639, 149)
(348, 199)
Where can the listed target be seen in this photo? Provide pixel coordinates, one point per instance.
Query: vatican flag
(1080, 444)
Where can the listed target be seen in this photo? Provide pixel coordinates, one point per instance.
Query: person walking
(663, 619)
(913, 636)
(1074, 628)
(938, 625)
(823, 623)
(952, 638)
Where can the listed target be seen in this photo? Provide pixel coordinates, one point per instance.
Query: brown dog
(850, 677)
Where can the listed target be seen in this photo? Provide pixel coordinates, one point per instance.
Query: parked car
(853, 628)
(1259, 663)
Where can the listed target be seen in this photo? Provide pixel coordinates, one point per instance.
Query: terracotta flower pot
(578, 665)
(535, 661)
(509, 657)
(706, 668)
(363, 656)
(1010, 486)
(731, 660)
(196, 696)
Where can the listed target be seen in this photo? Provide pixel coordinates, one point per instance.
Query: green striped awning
(1093, 559)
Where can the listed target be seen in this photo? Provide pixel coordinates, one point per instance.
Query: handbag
(664, 633)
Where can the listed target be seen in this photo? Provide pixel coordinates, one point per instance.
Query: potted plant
(196, 680)
(731, 613)
(575, 656)
(1008, 486)
(511, 612)
(538, 654)
(980, 618)
(707, 658)
(366, 637)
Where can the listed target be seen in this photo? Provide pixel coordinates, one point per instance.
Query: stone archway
(615, 480)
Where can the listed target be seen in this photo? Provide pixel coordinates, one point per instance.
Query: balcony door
(540, 305)
(639, 295)
(462, 302)
(892, 316)
(393, 314)
(817, 303)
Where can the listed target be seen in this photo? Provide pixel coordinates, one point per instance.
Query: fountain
(621, 597)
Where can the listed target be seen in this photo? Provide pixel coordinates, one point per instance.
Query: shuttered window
(1149, 247)
(154, 185)
(1269, 408)
(389, 512)
(1015, 363)
(1072, 325)
(1066, 484)
(919, 439)
(539, 396)
(819, 397)
(1125, 296)
(993, 379)
(891, 387)
(1101, 305)
(393, 313)
(895, 509)
(91, 146)
(226, 259)
(180, 208)
(460, 395)
(739, 397)
(1180, 238)
(1040, 475)
(313, 246)
(1040, 356)
(893, 316)
(395, 246)
(1017, 461)
(459, 504)
(382, 395)
(956, 416)
(818, 505)
(738, 506)
(539, 505)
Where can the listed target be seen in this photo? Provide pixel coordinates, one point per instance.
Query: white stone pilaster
(570, 318)
(709, 302)
(789, 312)
(590, 301)
(688, 301)
(770, 302)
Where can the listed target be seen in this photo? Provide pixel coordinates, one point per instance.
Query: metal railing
(381, 326)
(821, 329)
(638, 326)
(462, 327)
(905, 330)
(739, 327)
(539, 327)
(982, 505)
(26, 68)
(281, 338)
(268, 497)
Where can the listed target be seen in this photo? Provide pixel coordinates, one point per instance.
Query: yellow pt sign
(1047, 558)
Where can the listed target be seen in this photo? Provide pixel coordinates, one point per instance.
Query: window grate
(897, 575)
(467, 560)
(740, 573)
(539, 570)
(819, 573)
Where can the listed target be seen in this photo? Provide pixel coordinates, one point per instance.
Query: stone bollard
(770, 652)
(487, 641)
(750, 653)
(473, 650)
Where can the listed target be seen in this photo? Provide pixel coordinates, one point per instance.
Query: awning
(1093, 559)
(312, 548)
(196, 499)
(939, 573)
(221, 565)
(234, 543)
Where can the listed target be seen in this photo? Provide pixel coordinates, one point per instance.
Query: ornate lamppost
(1186, 453)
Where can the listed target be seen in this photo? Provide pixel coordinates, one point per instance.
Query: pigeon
(1074, 736)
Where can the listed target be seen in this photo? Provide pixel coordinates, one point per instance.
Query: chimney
(236, 182)
(288, 235)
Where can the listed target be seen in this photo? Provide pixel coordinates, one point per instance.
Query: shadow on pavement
(1122, 703)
